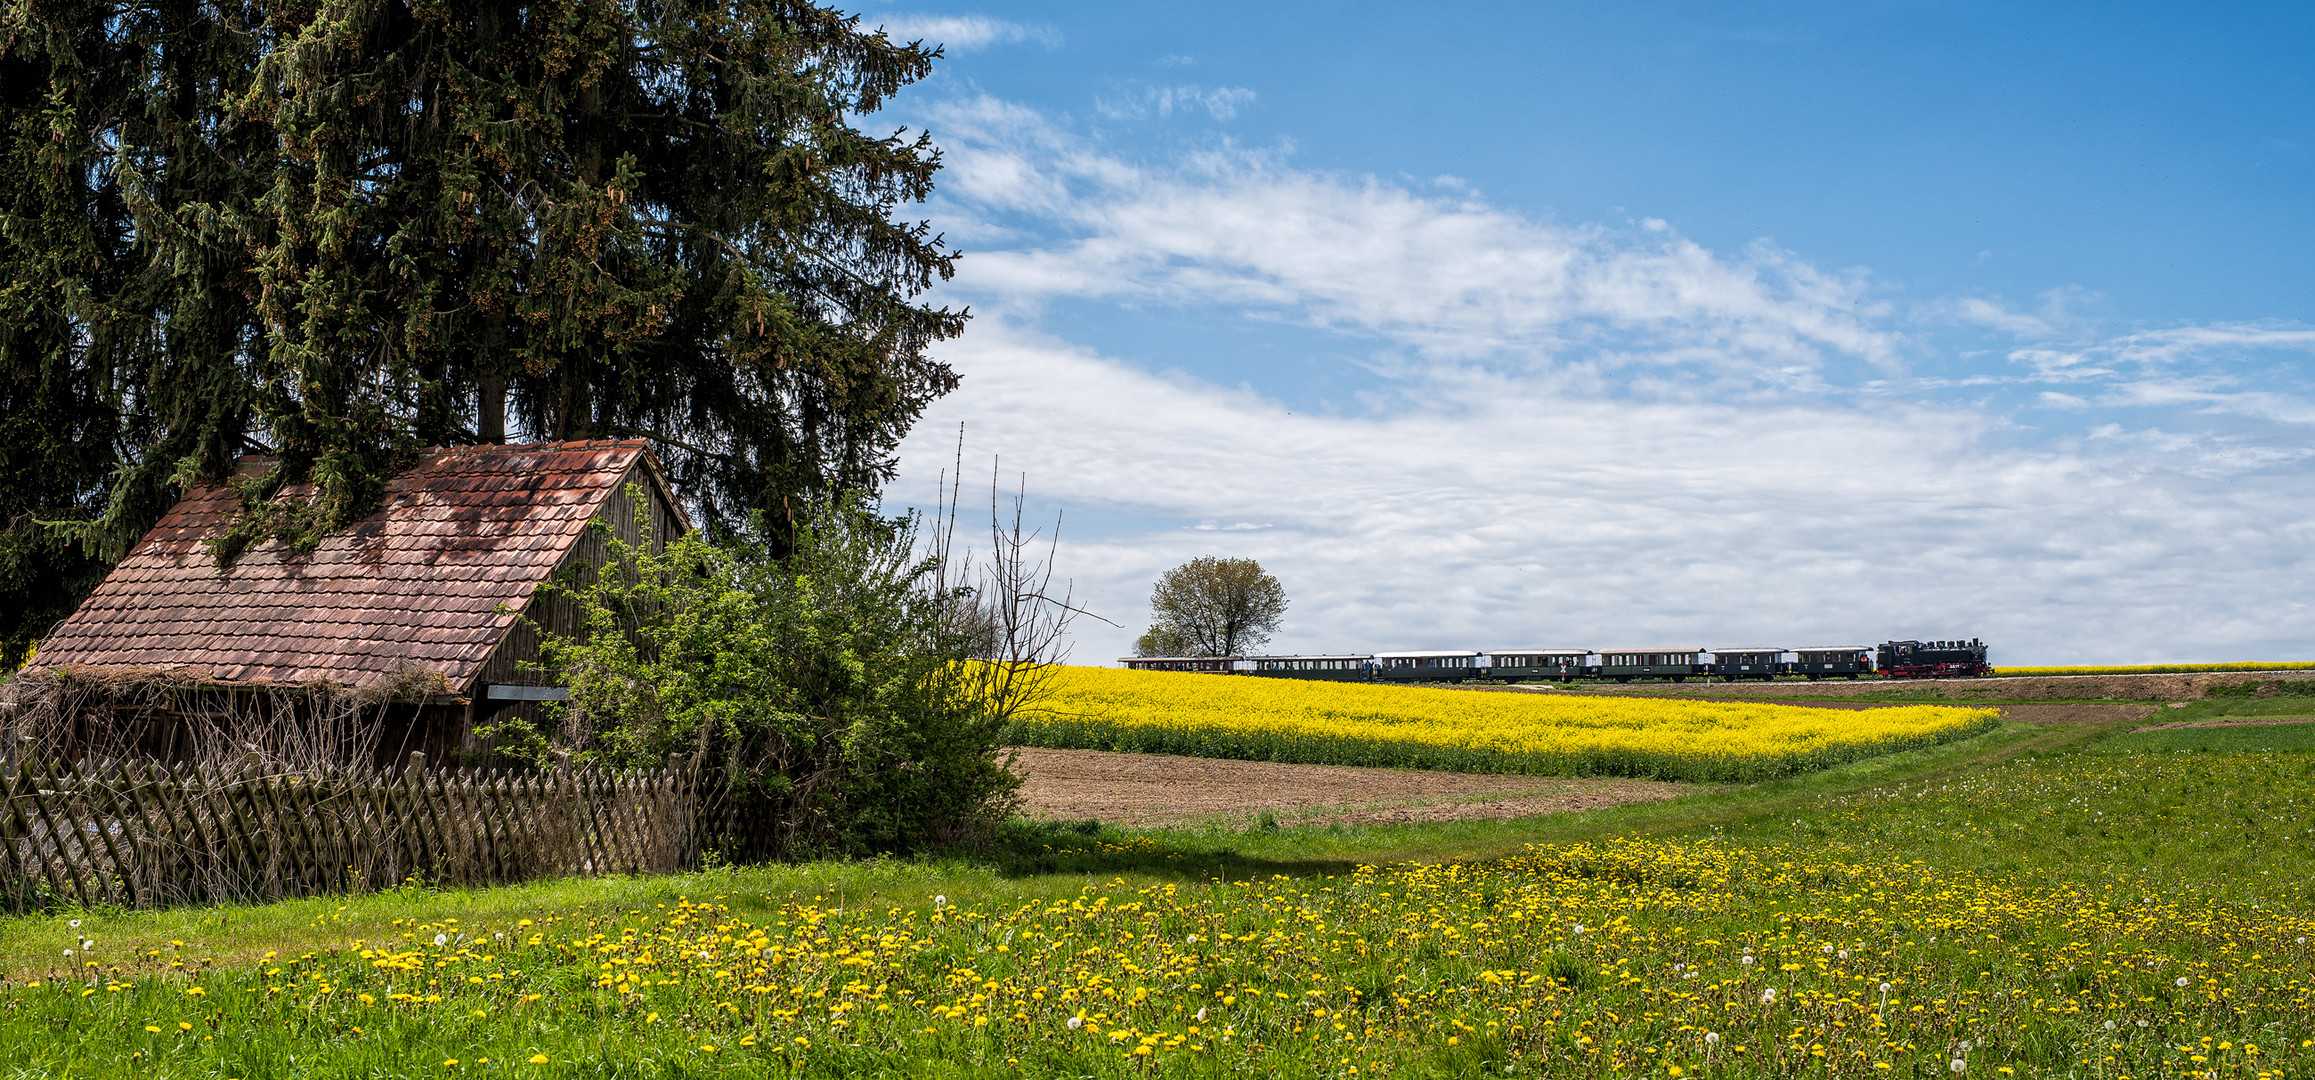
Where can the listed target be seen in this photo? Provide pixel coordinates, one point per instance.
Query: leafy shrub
(830, 689)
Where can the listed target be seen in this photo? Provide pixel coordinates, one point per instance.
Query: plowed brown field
(1158, 789)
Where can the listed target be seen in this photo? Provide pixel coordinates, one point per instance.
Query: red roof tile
(415, 585)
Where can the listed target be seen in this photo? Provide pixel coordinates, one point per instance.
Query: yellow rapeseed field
(1262, 719)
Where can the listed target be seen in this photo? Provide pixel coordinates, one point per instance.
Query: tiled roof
(415, 586)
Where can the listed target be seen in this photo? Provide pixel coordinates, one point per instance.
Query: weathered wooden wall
(510, 661)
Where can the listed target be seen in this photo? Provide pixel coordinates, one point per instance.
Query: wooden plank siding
(510, 662)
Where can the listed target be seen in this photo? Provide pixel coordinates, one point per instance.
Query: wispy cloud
(1447, 277)
(1140, 102)
(965, 33)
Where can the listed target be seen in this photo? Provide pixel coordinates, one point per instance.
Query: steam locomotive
(1891, 659)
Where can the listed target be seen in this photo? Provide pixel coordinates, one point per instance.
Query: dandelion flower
(2183, 980)
(1711, 1038)
(75, 924)
(1768, 995)
(940, 900)
(1074, 1022)
(1958, 1065)
(441, 939)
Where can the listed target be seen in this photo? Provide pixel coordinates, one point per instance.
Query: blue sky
(1630, 324)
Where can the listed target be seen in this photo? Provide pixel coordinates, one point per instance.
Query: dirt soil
(1158, 789)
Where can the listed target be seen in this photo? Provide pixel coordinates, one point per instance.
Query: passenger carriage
(1762, 662)
(1553, 665)
(1833, 661)
(1345, 667)
(1678, 665)
(1429, 666)
(1209, 665)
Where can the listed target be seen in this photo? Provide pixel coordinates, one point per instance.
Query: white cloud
(1604, 435)
(1449, 278)
(1525, 515)
(964, 33)
(1142, 102)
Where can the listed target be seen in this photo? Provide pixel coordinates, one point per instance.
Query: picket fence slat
(143, 835)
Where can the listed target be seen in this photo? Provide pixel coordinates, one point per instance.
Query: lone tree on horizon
(1212, 606)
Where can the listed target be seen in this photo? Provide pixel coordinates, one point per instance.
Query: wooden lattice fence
(148, 835)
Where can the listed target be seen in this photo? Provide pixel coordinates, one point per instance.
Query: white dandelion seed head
(1768, 995)
(87, 943)
(1959, 1065)
(68, 952)
(1884, 988)
(2302, 939)
(2183, 980)
(940, 900)
(1711, 1038)
(1579, 928)
(1192, 939)
(442, 939)
(1746, 959)
(1828, 948)
(2109, 1025)
(1965, 1046)
(1075, 1022)
(1843, 954)
(1690, 974)
(1201, 1014)
(765, 952)
(75, 924)
(2142, 1023)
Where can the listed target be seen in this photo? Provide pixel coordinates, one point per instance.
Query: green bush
(829, 690)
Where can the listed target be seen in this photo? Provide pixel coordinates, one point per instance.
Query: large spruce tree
(338, 231)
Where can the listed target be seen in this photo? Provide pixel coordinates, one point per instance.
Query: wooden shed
(423, 602)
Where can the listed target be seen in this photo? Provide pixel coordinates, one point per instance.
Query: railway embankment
(1998, 688)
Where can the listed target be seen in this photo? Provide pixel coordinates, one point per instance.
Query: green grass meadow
(2073, 901)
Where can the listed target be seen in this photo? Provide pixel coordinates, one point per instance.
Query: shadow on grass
(1025, 848)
